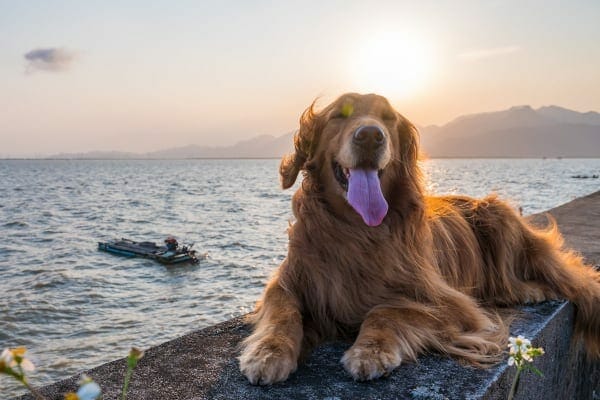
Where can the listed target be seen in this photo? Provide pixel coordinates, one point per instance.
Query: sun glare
(393, 64)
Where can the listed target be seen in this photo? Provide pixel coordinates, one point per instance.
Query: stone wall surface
(203, 364)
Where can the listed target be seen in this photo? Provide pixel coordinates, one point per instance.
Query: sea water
(75, 307)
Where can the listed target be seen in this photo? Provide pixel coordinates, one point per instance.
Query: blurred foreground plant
(13, 363)
(521, 355)
(132, 360)
(88, 390)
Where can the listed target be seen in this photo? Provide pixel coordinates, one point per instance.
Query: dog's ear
(290, 166)
(305, 140)
(409, 153)
(409, 141)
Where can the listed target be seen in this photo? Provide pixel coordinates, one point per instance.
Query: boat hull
(130, 248)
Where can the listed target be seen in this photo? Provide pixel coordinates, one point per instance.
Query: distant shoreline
(519, 132)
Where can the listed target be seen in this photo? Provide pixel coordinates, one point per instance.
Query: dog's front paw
(267, 361)
(366, 362)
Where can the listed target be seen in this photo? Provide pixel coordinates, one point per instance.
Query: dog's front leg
(387, 336)
(271, 353)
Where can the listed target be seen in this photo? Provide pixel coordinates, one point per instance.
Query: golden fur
(428, 277)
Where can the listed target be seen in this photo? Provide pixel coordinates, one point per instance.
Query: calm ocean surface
(75, 307)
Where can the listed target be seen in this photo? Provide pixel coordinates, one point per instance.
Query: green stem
(126, 383)
(513, 388)
(20, 376)
(34, 392)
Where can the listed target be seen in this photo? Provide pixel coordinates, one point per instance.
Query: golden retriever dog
(372, 257)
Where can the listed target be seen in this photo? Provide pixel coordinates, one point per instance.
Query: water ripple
(16, 224)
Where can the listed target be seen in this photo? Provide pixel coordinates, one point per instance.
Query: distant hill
(517, 132)
(264, 146)
(95, 155)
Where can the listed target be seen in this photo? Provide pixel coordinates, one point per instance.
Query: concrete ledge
(203, 364)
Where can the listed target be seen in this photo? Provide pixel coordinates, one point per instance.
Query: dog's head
(357, 150)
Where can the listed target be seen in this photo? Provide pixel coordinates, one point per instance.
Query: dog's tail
(565, 272)
(529, 264)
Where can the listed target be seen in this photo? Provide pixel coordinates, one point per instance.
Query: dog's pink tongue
(365, 196)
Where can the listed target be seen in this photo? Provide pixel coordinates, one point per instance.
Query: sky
(140, 76)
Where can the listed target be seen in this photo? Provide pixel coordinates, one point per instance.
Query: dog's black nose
(369, 136)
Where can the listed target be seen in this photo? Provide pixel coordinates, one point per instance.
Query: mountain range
(519, 131)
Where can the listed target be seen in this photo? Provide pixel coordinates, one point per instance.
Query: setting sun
(394, 64)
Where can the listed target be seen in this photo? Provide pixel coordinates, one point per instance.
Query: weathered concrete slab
(203, 364)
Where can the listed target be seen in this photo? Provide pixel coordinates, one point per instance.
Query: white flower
(521, 352)
(7, 358)
(518, 344)
(27, 365)
(13, 357)
(89, 391)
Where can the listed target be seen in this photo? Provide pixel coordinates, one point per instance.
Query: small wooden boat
(170, 253)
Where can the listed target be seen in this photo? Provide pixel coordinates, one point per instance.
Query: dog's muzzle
(369, 137)
(358, 168)
(368, 145)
